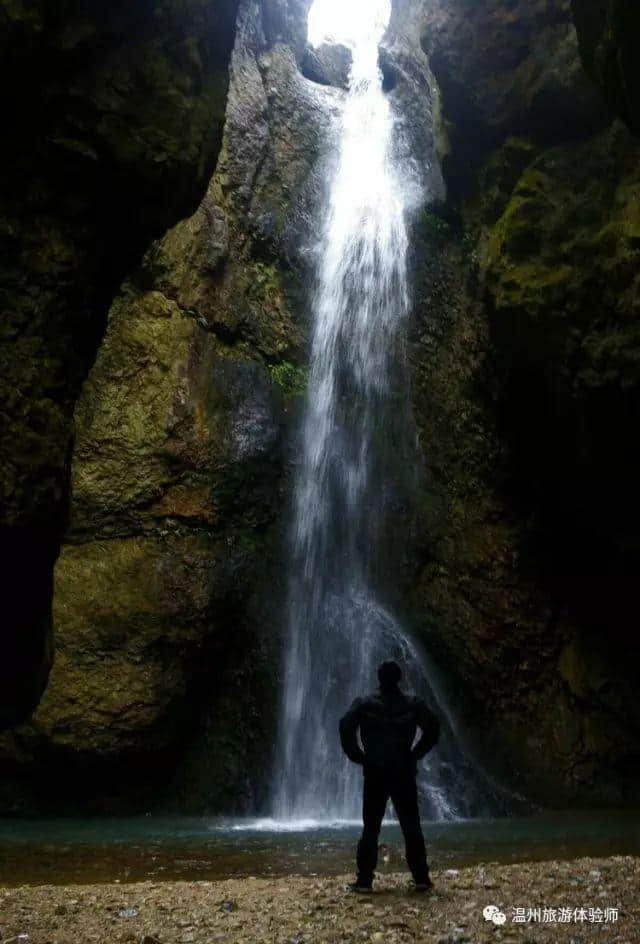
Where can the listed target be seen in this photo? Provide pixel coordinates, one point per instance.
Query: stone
(328, 64)
(505, 69)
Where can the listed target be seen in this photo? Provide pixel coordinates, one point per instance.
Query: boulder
(328, 64)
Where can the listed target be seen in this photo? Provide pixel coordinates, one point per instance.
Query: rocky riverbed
(587, 899)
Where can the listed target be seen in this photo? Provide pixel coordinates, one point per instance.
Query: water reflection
(163, 848)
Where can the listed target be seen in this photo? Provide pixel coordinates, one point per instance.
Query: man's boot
(361, 886)
(423, 884)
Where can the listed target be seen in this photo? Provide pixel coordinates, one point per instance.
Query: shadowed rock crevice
(608, 33)
(113, 120)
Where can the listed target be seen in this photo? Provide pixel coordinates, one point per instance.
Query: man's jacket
(388, 722)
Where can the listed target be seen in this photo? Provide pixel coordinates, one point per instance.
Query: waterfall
(339, 630)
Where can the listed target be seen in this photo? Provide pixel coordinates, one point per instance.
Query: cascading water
(339, 631)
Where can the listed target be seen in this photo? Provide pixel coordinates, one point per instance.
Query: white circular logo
(493, 913)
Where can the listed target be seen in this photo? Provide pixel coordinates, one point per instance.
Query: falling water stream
(339, 629)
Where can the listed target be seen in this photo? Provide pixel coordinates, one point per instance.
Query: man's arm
(430, 728)
(349, 733)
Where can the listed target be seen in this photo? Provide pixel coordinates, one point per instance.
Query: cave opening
(346, 22)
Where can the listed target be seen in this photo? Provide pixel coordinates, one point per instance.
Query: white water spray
(339, 631)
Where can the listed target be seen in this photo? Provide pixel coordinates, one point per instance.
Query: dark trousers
(401, 788)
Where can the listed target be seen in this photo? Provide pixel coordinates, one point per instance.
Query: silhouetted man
(387, 721)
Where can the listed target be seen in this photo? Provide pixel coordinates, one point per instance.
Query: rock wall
(112, 119)
(514, 540)
(608, 43)
(502, 71)
(525, 389)
(168, 588)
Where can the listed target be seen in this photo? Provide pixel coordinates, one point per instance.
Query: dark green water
(165, 848)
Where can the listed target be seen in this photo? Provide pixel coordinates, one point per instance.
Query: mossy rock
(292, 380)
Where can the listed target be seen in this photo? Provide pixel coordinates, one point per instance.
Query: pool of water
(160, 848)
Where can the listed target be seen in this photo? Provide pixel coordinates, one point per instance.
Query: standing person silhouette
(387, 721)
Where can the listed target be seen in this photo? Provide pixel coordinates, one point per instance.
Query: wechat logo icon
(491, 913)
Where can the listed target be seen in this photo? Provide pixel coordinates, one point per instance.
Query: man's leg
(374, 802)
(404, 796)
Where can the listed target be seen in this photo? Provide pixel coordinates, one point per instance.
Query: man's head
(389, 675)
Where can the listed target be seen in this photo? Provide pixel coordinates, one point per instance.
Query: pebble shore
(530, 903)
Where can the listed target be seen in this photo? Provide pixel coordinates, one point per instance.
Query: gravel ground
(303, 910)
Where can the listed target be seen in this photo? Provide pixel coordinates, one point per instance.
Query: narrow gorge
(318, 349)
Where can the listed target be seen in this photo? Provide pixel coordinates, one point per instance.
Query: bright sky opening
(347, 21)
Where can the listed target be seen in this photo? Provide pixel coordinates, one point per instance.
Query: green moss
(569, 230)
(266, 279)
(434, 228)
(269, 327)
(529, 282)
(291, 379)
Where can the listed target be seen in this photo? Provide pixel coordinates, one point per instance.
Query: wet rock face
(608, 33)
(113, 120)
(506, 68)
(175, 474)
(169, 586)
(329, 64)
(524, 384)
(285, 21)
(563, 278)
(410, 85)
